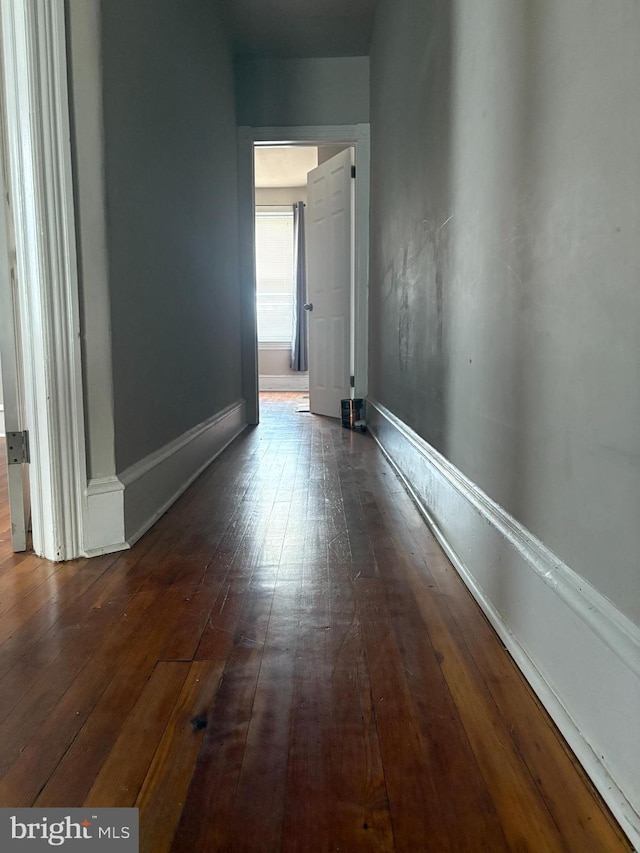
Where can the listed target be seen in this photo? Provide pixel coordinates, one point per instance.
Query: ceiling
(300, 28)
(284, 167)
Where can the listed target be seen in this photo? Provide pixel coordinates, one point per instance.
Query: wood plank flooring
(287, 661)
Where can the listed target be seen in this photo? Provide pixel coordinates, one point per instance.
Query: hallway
(286, 661)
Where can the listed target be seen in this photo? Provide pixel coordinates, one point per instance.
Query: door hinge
(352, 381)
(353, 171)
(18, 447)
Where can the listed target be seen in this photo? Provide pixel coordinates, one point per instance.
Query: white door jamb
(39, 155)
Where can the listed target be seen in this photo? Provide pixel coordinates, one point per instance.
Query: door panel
(329, 281)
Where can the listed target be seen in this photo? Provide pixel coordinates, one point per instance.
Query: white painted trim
(104, 520)
(2, 431)
(247, 272)
(580, 654)
(154, 483)
(38, 143)
(360, 318)
(320, 134)
(357, 135)
(286, 382)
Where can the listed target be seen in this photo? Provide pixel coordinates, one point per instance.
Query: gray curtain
(299, 349)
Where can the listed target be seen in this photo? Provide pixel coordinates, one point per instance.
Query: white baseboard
(580, 654)
(288, 382)
(155, 482)
(104, 517)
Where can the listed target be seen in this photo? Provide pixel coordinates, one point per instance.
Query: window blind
(274, 275)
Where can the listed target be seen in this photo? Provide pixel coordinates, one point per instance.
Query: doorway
(280, 195)
(356, 136)
(304, 271)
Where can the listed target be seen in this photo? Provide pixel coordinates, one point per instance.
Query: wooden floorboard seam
(286, 661)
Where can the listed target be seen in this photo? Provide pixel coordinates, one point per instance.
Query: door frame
(356, 135)
(34, 61)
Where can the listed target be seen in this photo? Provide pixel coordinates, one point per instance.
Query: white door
(329, 236)
(17, 472)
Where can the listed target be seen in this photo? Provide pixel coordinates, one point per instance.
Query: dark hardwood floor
(286, 661)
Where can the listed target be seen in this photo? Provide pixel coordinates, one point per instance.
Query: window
(274, 274)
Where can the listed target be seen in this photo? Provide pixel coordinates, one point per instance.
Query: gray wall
(280, 195)
(87, 150)
(505, 260)
(171, 196)
(292, 92)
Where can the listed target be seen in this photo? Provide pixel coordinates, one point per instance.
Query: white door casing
(329, 236)
(39, 155)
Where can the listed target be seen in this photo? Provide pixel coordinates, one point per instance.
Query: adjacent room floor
(286, 661)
